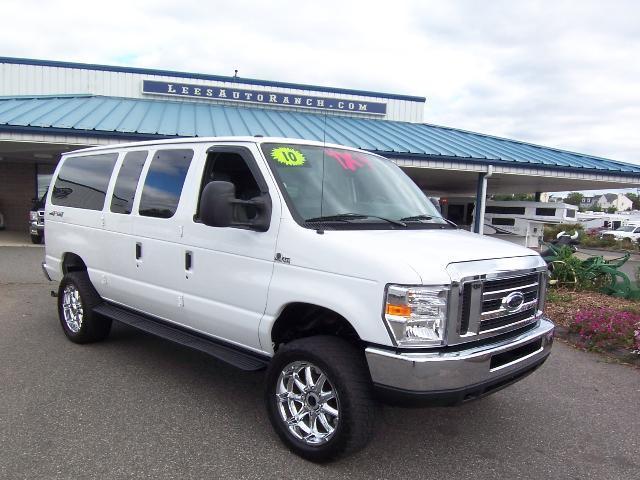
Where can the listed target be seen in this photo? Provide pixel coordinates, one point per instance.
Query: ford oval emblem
(513, 302)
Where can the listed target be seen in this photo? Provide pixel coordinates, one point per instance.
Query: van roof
(188, 140)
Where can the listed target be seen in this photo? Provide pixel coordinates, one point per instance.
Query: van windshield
(347, 188)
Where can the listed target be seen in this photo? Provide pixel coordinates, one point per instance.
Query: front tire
(76, 299)
(37, 239)
(319, 398)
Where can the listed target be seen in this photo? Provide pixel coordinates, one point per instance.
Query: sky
(563, 74)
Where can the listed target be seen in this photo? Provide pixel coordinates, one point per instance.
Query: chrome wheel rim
(308, 403)
(72, 308)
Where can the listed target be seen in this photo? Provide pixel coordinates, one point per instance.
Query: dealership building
(50, 107)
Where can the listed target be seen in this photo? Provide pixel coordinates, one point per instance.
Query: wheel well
(299, 320)
(72, 263)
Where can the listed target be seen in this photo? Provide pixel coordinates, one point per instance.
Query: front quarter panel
(320, 269)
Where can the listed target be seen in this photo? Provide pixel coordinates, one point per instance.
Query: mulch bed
(562, 311)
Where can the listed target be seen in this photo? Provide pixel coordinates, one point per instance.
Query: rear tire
(76, 300)
(37, 239)
(319, 398)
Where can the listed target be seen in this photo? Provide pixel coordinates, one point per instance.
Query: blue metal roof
(148, 119)
(205, 76)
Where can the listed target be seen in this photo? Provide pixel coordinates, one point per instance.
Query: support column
(481, 200)
(538, 196)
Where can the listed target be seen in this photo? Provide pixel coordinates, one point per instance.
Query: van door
(227, 270)
(155, 250)
(122, 274)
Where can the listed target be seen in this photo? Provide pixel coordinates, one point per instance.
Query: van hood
(425, 249)
(426, 252)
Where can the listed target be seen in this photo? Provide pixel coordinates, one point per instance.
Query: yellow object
(288, 156)
(398, 310)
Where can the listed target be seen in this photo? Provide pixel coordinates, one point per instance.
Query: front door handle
(138, 250)
(188, 260)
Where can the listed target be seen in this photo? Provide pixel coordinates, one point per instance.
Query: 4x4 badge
(282, 259)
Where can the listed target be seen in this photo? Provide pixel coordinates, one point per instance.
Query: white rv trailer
(520, 222)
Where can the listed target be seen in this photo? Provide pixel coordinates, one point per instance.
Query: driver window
(231, 167)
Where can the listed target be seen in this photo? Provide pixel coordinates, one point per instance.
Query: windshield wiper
(347, 217)
(415, 218)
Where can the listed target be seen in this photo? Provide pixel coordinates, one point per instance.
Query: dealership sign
(262, 97)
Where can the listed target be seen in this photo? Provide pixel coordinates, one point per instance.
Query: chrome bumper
(455, 376)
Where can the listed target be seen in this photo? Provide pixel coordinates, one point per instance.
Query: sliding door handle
(188, 260)
(138, 250)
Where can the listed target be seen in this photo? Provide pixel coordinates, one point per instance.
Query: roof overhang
(447, 177)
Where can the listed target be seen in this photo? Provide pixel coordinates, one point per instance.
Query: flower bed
(597, 322)
(605, 329)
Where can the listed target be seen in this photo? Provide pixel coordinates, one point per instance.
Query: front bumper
(452, 377)
(36, 229)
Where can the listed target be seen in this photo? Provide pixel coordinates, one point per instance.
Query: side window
(164, 182)
(82, 181)
(127, 181)
(231, 167)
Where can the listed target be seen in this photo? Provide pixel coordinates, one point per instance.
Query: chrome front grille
(490, 306)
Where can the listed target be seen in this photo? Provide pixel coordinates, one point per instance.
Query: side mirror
(219, 207)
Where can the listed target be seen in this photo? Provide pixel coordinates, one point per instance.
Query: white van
(325, 265)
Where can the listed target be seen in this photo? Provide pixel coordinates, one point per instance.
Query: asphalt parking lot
(139, 407)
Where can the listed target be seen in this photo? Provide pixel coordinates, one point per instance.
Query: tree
(635, 199)
(596, 207)
(515, 196)
(611, 210)
(574, 198)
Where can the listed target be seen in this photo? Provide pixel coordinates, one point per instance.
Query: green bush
(597, 242)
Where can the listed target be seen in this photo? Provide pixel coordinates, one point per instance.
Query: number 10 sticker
(288, 156)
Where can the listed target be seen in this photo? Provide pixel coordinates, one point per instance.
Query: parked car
(324, 264)
(630, 231)
(36, 220)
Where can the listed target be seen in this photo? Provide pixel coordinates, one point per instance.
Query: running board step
(238, 358)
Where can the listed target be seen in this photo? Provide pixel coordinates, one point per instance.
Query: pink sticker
(348, 160)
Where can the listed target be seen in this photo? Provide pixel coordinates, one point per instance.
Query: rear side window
(163, 185)
(127, 181)
(82, 181)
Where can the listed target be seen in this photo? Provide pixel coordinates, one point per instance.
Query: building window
(163, 185)
(82, 181)
(546, 212)
(504, 210)
(127, 182)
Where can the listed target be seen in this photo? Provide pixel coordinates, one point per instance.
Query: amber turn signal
(398, 310)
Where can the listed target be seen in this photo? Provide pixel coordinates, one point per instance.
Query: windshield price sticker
(348, 160)
(288, 156)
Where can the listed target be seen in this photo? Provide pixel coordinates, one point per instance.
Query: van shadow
(482, 431)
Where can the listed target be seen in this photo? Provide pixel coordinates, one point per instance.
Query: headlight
(416, 316)
(33, 216)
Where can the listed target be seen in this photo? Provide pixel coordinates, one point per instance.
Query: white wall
(17, 79)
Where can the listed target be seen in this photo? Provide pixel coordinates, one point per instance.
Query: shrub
(605, 328)
(554, 296)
